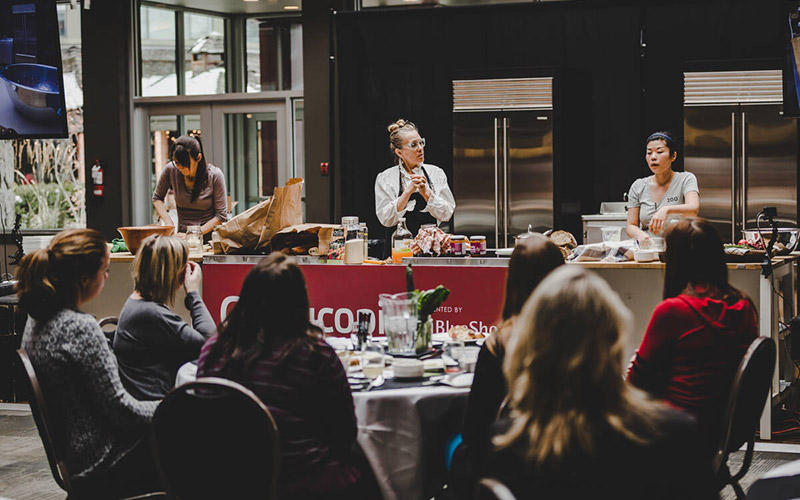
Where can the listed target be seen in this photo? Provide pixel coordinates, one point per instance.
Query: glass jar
(353, 243)
(477, 245)
(459, 245)
(194, 239)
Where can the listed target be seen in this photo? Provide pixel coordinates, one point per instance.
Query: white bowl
(408, 368)
(645, 255)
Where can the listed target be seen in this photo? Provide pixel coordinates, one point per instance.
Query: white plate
(460, 380)
(504, 252)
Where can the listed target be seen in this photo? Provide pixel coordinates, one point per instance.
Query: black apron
(416, 218)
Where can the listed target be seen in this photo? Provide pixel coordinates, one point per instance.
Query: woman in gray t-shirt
(199, 188)
(651, 199)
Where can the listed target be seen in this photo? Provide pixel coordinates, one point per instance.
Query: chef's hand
(421, 184)
(194, 277)
(658, 220)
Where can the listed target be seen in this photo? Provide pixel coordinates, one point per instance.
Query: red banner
(337, 293)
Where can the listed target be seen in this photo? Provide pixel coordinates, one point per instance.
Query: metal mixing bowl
(34, 89)
(786, 235)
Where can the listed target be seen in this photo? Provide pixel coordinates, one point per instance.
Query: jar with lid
(353, 242)
(477, 245)
(459, 245)
(194, 239)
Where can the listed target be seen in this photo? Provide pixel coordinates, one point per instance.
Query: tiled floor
(25, 475)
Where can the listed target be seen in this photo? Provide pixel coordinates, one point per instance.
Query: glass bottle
(401, 242)
(365, 236)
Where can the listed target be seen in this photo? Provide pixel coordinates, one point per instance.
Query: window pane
(48, 174)
(204, 61)
(274, 55)
(252, 142)
(158, 52)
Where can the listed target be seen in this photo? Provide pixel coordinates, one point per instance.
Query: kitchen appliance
(740, 147)
(502, 157)
(612, 214)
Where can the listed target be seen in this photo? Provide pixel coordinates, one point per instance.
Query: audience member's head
(159, 268)
(564, 369)
(272, 311)
(69, 272)
(694, 256)
(532, 259)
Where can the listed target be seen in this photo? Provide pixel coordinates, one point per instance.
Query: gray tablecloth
(403, 433)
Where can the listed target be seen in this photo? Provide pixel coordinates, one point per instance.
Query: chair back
(749, 391)
(492, 489)
(52, 446)
(213, 438)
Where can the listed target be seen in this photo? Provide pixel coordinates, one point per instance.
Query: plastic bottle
(401, 242)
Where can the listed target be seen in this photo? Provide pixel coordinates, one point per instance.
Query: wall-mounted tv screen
(791, 72)
(31, 83)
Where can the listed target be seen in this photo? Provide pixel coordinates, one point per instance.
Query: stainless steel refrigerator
(502, 157)
(742, 150)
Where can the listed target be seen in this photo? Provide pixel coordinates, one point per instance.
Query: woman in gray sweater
(152, 341)
(101, 425)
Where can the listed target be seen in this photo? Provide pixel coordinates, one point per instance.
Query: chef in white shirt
(411, 188)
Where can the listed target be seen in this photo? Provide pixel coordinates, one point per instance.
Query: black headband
(659, 135)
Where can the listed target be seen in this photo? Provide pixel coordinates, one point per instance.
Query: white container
(408, 368)
(354, 251)
(645, 255)
(611, 233)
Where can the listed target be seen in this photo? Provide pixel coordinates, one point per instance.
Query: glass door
(254, 145)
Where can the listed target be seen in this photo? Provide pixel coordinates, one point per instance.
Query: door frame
(211, 110)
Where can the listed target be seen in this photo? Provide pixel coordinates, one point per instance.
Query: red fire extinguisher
(97, 179)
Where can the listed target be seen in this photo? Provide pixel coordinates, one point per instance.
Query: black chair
(214, 438)
(492, 489)
(52, 443)
(749, 391)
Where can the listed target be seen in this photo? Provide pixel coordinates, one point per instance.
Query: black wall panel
(611, 91)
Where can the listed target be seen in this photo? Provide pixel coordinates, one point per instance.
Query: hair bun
(397, 125)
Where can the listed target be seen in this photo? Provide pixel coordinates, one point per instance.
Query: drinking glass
(372, 360)
(453, 349)
(469, 358)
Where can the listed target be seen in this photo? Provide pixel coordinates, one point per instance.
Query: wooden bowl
(135, 235)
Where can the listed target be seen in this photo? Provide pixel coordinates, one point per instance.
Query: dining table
(404, 427)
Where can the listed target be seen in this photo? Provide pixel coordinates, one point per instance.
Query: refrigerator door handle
(744, 171)
(496, 189)
(506, 208)
(733, 177)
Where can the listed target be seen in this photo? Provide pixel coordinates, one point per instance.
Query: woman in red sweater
(699, 333)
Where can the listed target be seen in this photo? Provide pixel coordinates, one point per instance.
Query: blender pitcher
(400, 322)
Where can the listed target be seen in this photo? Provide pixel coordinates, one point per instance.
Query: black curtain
(610, 91)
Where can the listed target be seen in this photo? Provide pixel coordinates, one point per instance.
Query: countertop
(464, 261)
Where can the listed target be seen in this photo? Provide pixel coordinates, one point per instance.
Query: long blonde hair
(159, 267)
(564, 370)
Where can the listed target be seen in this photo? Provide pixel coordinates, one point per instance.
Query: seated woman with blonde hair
(152, 341)
(533, 258)
(576, 429)
(103, 427)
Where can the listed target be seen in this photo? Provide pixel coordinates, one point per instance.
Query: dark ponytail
(50, 279)
(187, 146)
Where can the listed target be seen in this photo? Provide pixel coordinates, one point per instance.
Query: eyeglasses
(415, 144)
